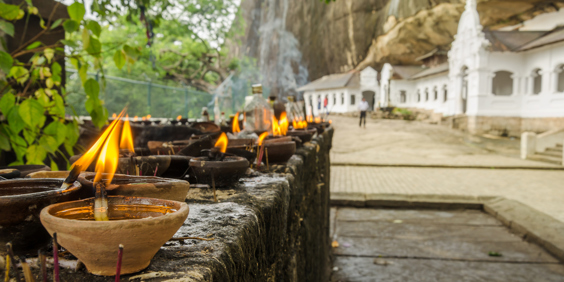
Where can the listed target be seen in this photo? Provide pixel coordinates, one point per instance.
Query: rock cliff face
(296, 41)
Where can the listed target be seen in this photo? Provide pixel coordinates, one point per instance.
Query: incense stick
(14, 261)
(27, 271)
(42, 265)
(213, 185)
(118, 267)
(156, 169)
(266, 155)
(55, 258)
(7, 274)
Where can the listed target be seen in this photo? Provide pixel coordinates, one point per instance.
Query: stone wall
(269, 227)
(511, 126)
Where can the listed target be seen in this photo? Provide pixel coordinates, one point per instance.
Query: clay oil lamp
(21, 202)
(316, 123)
(276, 150)
(22, 170)
(176, 121)
(300, 129)
(146, 120)
(219, 169)
(92, 229)
(207, 127)
(136, 120)
(165, 165)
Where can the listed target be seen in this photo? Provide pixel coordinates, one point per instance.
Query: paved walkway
(540, 189)
(396, 142)
(418, 147)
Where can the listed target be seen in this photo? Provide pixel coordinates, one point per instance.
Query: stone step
(551, 153)
(555, 149)
(546, 159)
(559, 145)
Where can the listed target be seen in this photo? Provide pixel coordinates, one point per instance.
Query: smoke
(280, 59)
(393, 9)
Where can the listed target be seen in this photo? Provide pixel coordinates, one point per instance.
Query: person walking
(363, 107)
(325, 103)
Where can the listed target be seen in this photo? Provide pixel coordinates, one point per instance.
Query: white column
(528, 144)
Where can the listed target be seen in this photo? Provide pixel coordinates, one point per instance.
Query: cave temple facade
(498, 82)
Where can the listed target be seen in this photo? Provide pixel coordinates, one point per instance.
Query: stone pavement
(540, 189)
(415, 158)
(430, 245)
(397, 142)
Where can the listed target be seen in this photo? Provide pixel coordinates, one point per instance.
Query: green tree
(32, 103)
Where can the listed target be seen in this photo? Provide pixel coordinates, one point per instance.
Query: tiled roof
(554, 36)
(406, 72)
(511, 40)
(431, 71)
(341, 80)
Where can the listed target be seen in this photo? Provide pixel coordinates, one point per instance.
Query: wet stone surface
(271, 226)
(429, 245)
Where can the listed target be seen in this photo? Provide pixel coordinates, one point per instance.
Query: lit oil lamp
(21, 202)
(92, 228)
(300, 129)
(176, 121)
(218, 168)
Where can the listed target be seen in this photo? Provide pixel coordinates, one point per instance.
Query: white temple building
(499, 82)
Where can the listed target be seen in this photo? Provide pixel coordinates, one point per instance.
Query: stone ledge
(268, 227)
(532, 225)
(540, 167)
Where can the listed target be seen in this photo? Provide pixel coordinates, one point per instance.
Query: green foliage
(33, 102)
(7, 27)
(6, 62)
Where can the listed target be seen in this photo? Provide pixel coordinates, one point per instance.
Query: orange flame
(235, 126)
(222, 142)
(143, 118)
(261, 138)
(330, 121)
(126, 141)
(148, 116)
(275, 127)
(178, 117)
(135, 118)
(309, 118)
(109, 157)
(283, 124)
(317, 120)
(114, 115)
(103, 146)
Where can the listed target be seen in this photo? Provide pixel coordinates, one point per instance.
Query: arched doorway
(370, 97)
(464, 89)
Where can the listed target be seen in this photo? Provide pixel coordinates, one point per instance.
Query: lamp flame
(280, 128)
(179, 117)
(222, 143)
(135, 118)
(114, 115)
(148, 116)
(317, 120)
(262, 137)
(109, 156)
(309, 118)
(126, 141)
(275, 127)
(106, 147)
(235, 126)
(283, 124)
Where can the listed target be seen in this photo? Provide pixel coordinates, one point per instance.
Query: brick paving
(416, 147)
(540, 189)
